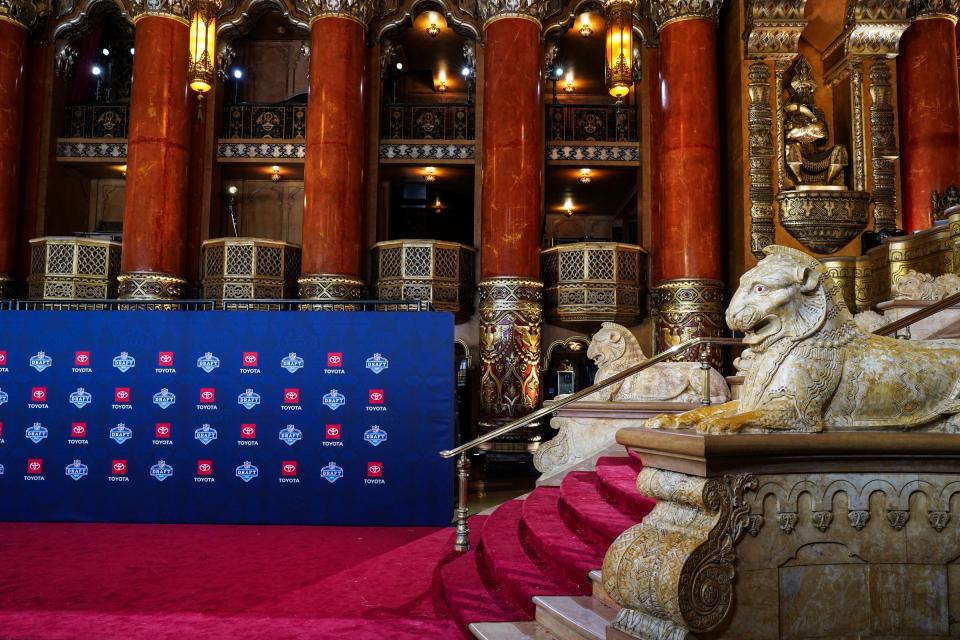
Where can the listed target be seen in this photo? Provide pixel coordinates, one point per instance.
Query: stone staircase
(533, 572)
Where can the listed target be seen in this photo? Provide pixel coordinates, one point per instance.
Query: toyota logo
(161, 430)
(376, 396)
(374, 468)
(250, 358)
(207, 395)
(83, 358)
(119, 466)
(335, 359)
(248, 431)
(78, 430)
(34, 466)
(166, 358)
(291, 395)
(289, 468)
(205, 467)
(123, 395)
(39, 394)
(333, 431)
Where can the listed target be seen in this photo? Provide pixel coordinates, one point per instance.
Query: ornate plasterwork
(923, 286)
(760, 149)
(360, 10)
(773, 27)
(64, 60)
(257, 150)
(22, 13)
(396, 15)
(663, 12)
(870, 28)
(490, 10)
(326, 286)
(400, 152)
(175, 9)
(686, 308)
(934, 9)
(149, 285)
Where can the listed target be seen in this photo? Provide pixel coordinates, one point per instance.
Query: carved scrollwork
(490, 10)
(359, 10)
(774, 28)
(884, 147)
(325, 286)
(684, 309)
(934, 8)
(150, 285)
(175, 9)
(664, 12)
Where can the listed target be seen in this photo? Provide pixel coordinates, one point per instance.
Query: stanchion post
(462, 542)
(705, 370)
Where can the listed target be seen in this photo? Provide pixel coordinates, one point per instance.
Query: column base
(149, 285)
(687, 308)
(329, 286)
(511, 315)
(7, 287)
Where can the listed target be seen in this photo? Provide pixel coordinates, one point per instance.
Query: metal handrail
(917, 316)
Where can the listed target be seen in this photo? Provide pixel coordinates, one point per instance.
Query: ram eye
(759, 288)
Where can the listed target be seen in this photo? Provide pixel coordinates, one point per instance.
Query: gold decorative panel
(249, 268)
(73, 268)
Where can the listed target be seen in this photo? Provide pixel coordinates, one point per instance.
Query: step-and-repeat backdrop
(243, 417)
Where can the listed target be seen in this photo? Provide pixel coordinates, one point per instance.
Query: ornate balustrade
(249, 269)
(64, 268)
(593, 282)
(264, 121)
(428, 122)
(94, 121)
(591, 123)
(434, 271)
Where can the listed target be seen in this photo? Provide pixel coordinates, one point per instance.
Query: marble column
(688, 299)
(511, 213)
(158, 148)
(332, 256)
(16, 19)
(929, 110)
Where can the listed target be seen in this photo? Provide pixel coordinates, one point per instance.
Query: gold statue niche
(811, 162)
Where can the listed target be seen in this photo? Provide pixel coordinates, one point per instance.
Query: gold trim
(685, 308)
(330, 286)
(516, 16)
(5, 18)
(345, 16)
(937, 16)
(149, 285)
(158, 14)
(670, 21)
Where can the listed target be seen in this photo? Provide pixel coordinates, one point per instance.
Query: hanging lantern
(203, 35)
(619, 47)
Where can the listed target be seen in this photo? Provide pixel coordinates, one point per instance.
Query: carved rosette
(687, 308)
(178, 10)
(359, 10)
(491, 10)
(774, 28)
(665, 12)
(760, 122)
(934, 9)
(511, 314)
(326, 286)
(22, 13)
(673, 573)
(824, 220)
(149, 285)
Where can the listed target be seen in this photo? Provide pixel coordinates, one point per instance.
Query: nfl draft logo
(76, 470)
(80, 398)
(161, 471)
(37, 432)
(377, 363)
(331, 472)
(292, 363)
(290, 434)
(334, 400)
(41, 361)
(205, 434)
(3, 397)
(208, 362)
(1, 469)
(121, 433)
(248, 399)
(247, 471)
(164, 398)
(375, 435)
(124, 362)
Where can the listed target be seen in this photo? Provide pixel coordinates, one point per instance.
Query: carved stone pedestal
(832, 535)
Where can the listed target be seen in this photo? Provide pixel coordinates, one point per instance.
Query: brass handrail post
(705, 372)
(462, 542)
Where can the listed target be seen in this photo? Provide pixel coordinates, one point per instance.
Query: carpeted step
(552, 541)
(635, 459)
(504, 561)
(585, 508)
(618, 482)
(468, 597)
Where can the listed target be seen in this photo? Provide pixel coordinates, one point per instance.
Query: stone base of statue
(791, 535)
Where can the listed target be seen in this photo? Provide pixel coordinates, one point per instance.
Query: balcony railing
(428, 122)
(265, 121)
(591, 123)
(94, 121)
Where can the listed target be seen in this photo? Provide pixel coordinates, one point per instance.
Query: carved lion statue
(614, 349)
(814, 369)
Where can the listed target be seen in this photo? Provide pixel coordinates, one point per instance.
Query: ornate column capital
(665, 12)
(22, 13)
(178, 10)
(774, 28)
(357, 10)
(921, 9)
(491, 10)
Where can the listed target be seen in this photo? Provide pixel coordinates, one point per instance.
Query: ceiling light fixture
(430, 174)
(585, 29)
(585, 175)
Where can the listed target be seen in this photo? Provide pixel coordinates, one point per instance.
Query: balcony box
(586, 283)
(67, 268)
(250, 268)
(433, 271)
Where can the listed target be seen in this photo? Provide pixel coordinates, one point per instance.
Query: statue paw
(663, 421)
(719, 425)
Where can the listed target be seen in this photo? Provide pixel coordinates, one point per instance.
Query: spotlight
(232, 189)
(559, 72)
(465, 71)
(96, 70)
(105, 51)
(238, 73)
(399, 66)
(131, 50)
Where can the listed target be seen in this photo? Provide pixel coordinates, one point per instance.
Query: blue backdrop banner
(242, 417)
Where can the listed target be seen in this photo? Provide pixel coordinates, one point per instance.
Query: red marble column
(333, 172)
(929, 111)
(158, 146)
(511, 214)
(13, 57)
(687, 300)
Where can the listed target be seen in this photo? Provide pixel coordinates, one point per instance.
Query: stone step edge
(599, 593)
(526, 630)
(579, 617)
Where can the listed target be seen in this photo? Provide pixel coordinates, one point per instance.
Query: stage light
(96, 70)
(238, 73)
(132, 50)
(105, 51)
(232, 189)
(465, 71)
(559, 72)
(399, 66)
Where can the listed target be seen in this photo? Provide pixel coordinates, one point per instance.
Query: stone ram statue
(814, 369)
(614, 349)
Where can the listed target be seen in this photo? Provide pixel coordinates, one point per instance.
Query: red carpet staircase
(538, 558)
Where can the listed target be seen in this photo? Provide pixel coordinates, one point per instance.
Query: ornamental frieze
(667, 11)
(360, 10)
(20, 12)
(774, 28)
(176, 9)
(489, 10)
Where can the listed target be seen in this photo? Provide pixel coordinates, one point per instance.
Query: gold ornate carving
(490, 10)
(663, 12)
(859, 143)
(330, 286)
(823, 220)
(510, 323)
(22, 13)
(178, 10)
(779, 74)
(870, 28)
(774, 28)
(361, 11)
(760, 122)
(441, 273)
(929, 251)
(934, 9)
(884, 148)
(73, 268)
(673, 573)
(593, 282)
(149, 285)
(249, 268)
(687, 308)
(843, 270)
(941, 203)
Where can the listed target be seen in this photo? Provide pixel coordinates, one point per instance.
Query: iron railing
(94, 121)
(591, 123)
(443, 121)
(214, 305)
(255, 121)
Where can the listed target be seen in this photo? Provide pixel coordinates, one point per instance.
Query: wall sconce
(585, 175)
(568, 207)
(437, 205)
(430, 174)
(123, 171)
(203, 45)
(619, 54)
(585, 29)
(442, 80)
(568, 85)
(433, 28)
(275, 173)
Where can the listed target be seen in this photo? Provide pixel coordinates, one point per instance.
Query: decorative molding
(258, 150)
(178, 10)
(619, 153)
(73, 19)
(857, 115)
(870, 28)
(664, 12)
(397, 15)
(822, 219)
(773, 28)
(687, 308)
(410, 150)
(779, 74)
(934, 9)
(358, 10)
(23, 13)
(89, 149)
(884, 152)
(491, 10)
(327, 286)
(760, 123)
(239, 17)
(149, 285)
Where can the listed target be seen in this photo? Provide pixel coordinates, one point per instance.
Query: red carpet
(116, 582)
